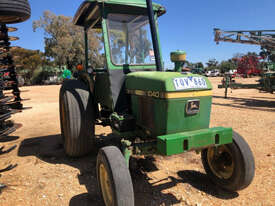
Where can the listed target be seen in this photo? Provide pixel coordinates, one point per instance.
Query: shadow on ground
(248, 103)
(201, 182)
(8, 138)
(49, 149)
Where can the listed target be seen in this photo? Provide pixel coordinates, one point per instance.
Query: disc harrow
(8, 81)
(11, 12)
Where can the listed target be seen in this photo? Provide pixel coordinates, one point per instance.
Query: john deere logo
(153, 94)
(193, 106)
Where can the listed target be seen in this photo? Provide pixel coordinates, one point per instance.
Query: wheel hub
(220, 161)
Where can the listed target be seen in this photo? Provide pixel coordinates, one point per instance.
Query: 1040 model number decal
(189, 83)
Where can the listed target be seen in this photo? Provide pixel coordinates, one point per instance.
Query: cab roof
(89, 13)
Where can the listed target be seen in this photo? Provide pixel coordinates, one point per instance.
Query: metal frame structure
(263, 38)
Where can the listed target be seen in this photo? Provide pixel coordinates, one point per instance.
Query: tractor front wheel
(114, 178)
(230, 166)
(76, 118)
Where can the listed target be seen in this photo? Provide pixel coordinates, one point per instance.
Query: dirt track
(45, 176)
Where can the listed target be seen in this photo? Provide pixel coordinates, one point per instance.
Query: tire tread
(79, 139)
(244, 171)
(14, 11)
(119, 174)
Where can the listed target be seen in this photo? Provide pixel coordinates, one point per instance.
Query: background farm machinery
(250, 65)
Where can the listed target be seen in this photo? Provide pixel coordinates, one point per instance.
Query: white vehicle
(213, 73)
(208, 73)
(232, 71)
(52, 80)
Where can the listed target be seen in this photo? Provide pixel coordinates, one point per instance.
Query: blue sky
(187, 25)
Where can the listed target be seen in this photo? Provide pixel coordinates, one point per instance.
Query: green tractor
(150, 111)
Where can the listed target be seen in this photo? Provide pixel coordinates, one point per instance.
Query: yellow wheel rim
(220, 161)
(105, 185)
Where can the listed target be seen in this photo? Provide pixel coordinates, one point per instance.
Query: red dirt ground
(45, 176)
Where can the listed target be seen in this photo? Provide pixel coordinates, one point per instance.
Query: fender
(87, 79)
(84, 76)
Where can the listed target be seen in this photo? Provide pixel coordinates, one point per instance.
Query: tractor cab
(125, 28)
(128, 45)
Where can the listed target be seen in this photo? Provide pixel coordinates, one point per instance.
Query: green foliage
(212, 64)
(43, 73)
(38, 76)
(200, 65)
(50, 70)
(225, 66)
(64, 42)
(27, 61)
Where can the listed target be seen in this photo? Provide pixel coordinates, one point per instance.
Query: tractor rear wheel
(114, 178)
(230, 166)
(14, 11)
(76, 118)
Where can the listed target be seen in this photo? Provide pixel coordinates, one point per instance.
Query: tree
(212, 64)
(225, 66)
(64, 42)
(27, 61)
(200, 65)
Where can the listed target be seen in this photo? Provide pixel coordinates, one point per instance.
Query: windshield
(130, 39)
